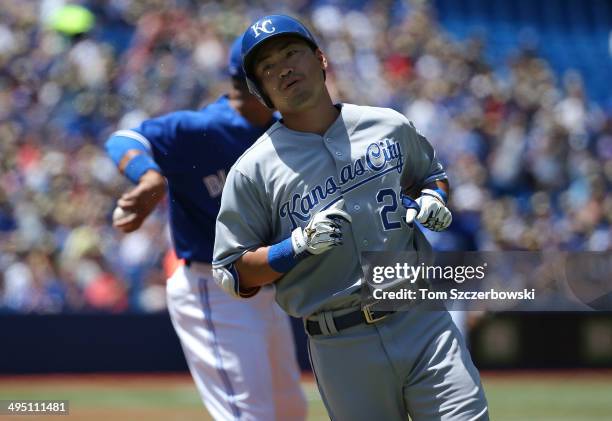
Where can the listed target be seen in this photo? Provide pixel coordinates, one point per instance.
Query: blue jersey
(195, 150)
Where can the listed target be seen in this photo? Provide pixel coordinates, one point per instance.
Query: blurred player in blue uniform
(241, 357)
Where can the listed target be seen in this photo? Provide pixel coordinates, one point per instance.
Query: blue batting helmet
(259, 32)
(234, 66)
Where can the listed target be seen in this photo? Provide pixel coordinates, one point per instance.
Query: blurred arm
(135, 162)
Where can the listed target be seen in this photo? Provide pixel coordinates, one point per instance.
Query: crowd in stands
(529, 156)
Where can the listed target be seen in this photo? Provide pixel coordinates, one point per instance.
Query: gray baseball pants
(412, 365)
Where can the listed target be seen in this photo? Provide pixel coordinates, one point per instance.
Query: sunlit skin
(291, 75)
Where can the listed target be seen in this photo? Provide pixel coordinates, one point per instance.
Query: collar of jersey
(343, 122)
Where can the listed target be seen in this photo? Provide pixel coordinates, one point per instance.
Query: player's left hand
(139, 202)
(429, 209)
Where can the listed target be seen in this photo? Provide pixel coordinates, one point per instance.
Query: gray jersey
(288, 176)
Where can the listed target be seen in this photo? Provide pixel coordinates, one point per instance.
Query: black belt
(350, 319)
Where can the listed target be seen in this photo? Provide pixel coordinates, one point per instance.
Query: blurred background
(514, 95)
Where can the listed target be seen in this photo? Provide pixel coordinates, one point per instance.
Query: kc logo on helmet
(263, 26)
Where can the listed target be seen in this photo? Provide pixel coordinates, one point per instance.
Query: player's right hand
(323, 232)
(141, 200)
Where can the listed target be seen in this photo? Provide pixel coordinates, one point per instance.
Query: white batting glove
(429, 209)
(323, 232)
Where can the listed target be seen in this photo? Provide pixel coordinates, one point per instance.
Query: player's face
(290, 73)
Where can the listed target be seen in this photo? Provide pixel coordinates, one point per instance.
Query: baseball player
(241, 357)
(298, 207)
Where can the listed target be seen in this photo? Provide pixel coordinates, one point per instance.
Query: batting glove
(323, 232)
(429, 209)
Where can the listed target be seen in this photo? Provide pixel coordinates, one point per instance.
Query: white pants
(240, 353)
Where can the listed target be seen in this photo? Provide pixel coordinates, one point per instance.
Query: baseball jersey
(194, 150)
(287, 176)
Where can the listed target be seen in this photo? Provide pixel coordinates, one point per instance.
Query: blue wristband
(437, 193)
(442, 194)
(281, 257)
(409, 203)
(139, 165)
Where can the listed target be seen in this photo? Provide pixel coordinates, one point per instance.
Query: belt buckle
(367, 312)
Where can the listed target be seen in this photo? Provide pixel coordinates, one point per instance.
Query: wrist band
(409, 203)
(139, 165)
(282, 258)
(437, 193)
(443, 194)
